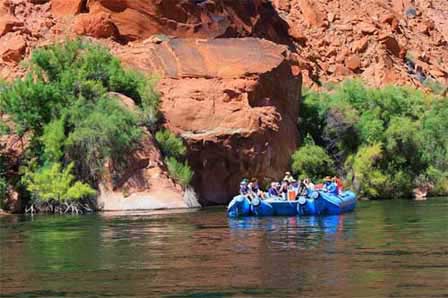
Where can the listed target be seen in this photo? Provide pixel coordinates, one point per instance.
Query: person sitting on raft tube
(294, 185)
(254, 188)
(309, 184)
(244, 189)
(293, 189)
(330, 186)
(339, 184)
(288, 177)
(273, 191)
(284, 190)
(303, 188)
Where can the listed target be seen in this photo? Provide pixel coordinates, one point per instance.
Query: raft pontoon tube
(239, 206)
(317, 203)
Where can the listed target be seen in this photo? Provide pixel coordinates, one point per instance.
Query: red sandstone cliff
(234, 101)
(334, 39)
(230, 94)
(381, 41)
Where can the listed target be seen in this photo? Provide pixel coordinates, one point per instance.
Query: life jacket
(292, 194)
(339, 185)
(318, 186)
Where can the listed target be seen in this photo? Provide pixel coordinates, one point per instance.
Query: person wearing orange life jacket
(339, 184)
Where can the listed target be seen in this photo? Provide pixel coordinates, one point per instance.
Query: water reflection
(383, 249)
(298, 232)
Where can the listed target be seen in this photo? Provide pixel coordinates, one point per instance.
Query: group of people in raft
(289, 188)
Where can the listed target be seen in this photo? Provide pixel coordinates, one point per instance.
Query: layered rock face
(234, 101)
(140, 19)
(382, 41)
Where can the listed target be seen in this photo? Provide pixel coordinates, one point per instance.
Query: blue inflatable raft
(317, 203)
(325, 203)
(239, 206)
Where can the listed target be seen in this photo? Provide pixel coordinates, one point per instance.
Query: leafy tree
(364, 172)
(312, 161)
(53, 139)
(370, 127)
(55, 183)
(439, 180)
(31, 104)
(404, 130)
(105, 132)
(64, 104)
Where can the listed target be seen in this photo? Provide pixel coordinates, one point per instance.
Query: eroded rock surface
(397, 41)
(235, 101)
(140, 19)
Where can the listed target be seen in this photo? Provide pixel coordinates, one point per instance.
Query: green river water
(384, 249)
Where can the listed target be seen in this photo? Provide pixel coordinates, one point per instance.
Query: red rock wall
(140, 19)
(234, 101)
(370, 39)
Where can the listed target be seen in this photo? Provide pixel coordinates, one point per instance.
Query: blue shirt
(273, 192)
(254, 188)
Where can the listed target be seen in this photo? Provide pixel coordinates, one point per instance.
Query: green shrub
(53, 140)
(106, 131)
(435, 86)
(4, 129)
(62, 74)
(174, 149)
(438, 180)
(31, 104)
(3, 190)
(181, 172)
(170, 144)
(364, 172)
(64, 104)
(404, 126)
(55, 183)
(150, 103)
(312, 161)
